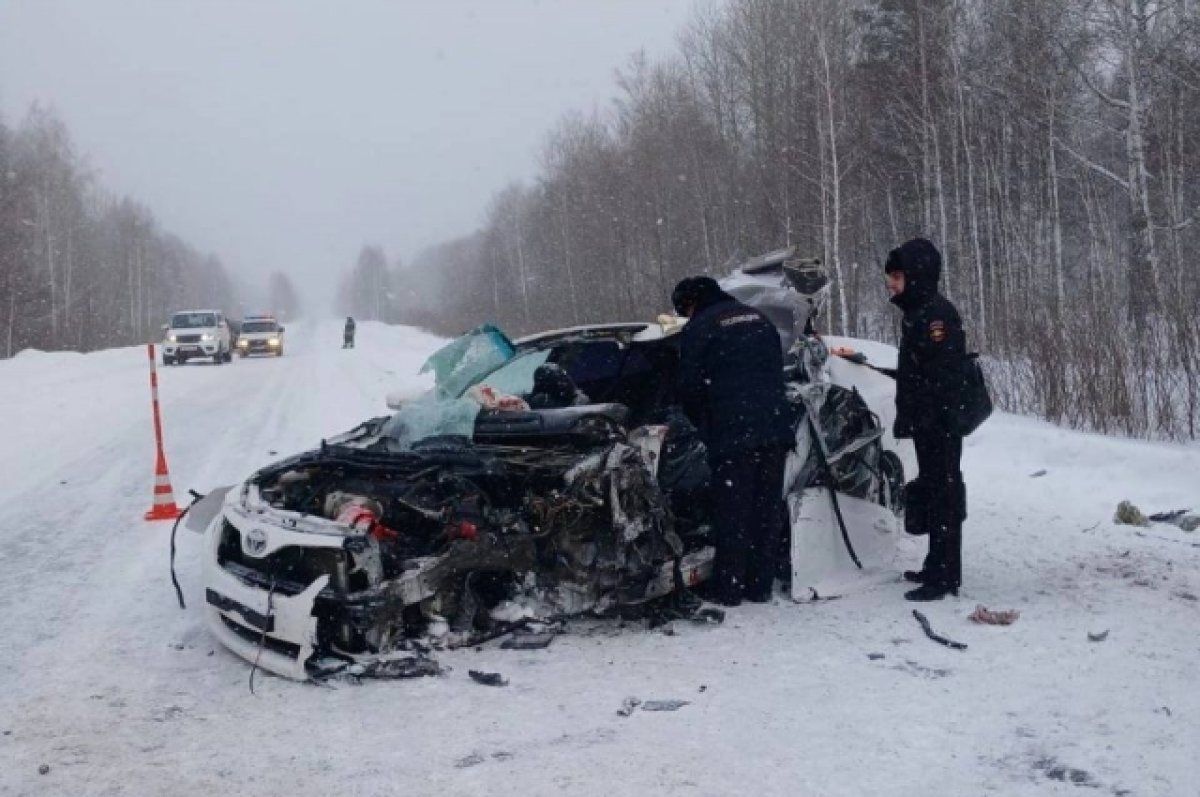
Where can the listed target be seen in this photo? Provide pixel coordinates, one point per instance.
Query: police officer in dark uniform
(928, 394)
(730, 384)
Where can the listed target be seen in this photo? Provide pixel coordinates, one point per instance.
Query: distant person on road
(730, 384)
(929, 396)
(348, 333)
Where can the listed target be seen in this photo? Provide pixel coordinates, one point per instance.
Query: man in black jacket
(928, 393)
(730, 384)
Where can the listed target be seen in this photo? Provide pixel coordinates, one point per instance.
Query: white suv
(197, 333)
(261, 334)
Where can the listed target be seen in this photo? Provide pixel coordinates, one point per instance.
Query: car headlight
(206, 337)
(172, 337)
(273, 342)
(243, 342)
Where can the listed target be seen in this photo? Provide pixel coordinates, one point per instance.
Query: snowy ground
(108, 683)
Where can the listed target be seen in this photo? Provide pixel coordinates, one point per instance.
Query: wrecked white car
(539, 480)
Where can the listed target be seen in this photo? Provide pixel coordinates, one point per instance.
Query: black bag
(919, 499)
(975, 405)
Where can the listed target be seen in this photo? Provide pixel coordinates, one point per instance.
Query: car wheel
(168, 360)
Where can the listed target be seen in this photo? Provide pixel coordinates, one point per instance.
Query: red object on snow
(987, 616)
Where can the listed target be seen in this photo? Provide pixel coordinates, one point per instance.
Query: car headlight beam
(273, 342)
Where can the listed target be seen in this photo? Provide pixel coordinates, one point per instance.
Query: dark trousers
(939, 457)
(747, 491)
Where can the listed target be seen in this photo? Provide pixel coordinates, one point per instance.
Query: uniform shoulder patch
(738, 318)
(937, 330)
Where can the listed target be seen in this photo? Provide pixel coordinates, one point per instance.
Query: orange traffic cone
(164, 507)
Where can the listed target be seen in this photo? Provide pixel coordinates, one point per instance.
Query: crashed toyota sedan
(540, 479)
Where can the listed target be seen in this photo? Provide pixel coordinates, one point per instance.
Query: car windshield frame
(193, 320)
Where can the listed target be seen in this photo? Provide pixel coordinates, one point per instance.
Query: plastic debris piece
(875, 656)
(405, 667)
(388, 668)
(628, 705)
(936, 637)
(1037, 474)
(986, 616)
(527, 641)
(1100, 637)
(1184, 519)
(487, 678)
(664, 705)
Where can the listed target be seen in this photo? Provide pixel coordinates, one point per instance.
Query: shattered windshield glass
(482, 357)
(515, 378)
(430, 416)
(465, 361)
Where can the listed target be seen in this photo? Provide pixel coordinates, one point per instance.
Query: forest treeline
(1049, 148)
(80, 268)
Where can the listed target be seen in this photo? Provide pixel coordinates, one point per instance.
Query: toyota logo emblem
(255, 542)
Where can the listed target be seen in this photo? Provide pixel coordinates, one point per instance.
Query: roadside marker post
(164, 507)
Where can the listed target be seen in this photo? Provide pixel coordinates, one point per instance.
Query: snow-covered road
(105, 680)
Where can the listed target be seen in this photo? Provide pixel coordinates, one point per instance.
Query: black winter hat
(695, 292)
(555, 383)
(920, 261)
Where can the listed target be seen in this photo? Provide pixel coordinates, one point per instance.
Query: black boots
(930, 592)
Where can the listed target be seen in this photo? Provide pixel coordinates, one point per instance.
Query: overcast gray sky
(283, 134)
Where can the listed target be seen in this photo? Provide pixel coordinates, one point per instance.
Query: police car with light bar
(261, 334)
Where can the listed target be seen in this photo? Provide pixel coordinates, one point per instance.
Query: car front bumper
(190, 349)
(258, 347)
(276, 631)
(274, 627)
